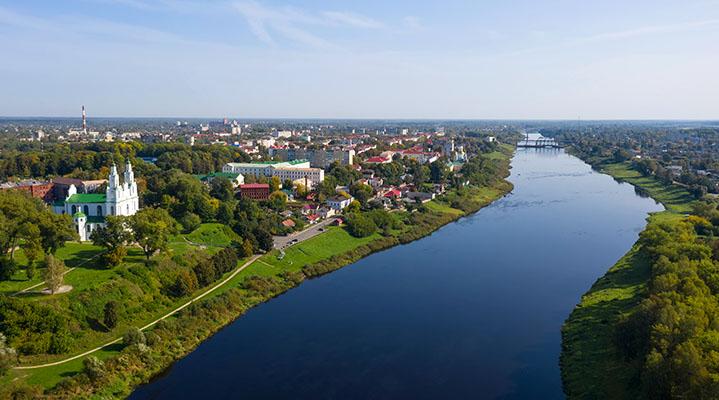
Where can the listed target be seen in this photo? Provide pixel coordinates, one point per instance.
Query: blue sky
(557, 59)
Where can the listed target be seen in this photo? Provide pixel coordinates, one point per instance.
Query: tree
(190, 222)
(111, 316)
(152, 228)
(8, 355)
(54, 273)
(185, 284)
(245, 249)
(226, 211)
(221, 188)
(264, 239)
(359, 225)
(361, 192)
(8, 267)
(327, 187)
(114, 236)
(287, 184)
(301, 190)
(277, 200)
(205, 272)
(27, 223)
(275, 183)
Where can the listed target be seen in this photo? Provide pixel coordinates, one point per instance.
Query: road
(282, 242)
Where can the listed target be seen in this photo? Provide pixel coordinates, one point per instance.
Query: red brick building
(255, 191)
(37, 189)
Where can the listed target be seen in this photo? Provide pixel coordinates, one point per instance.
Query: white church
(89, 210)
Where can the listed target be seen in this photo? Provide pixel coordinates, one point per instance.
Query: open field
(673, 197)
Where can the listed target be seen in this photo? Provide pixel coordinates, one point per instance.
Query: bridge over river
(536, 140)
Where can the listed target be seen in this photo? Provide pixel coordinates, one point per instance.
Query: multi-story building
(297, 170)
(320, 158)
(255, 191)
(37, 189)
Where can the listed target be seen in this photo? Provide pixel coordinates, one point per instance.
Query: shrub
(111, 316)
(8, 355)
(7, 268)
(190, 222)
(94, 368)
(185, 284)
(134, 336)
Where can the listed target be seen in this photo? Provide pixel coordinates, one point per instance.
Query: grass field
(673, 197)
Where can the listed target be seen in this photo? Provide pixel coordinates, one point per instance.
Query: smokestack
(84, 120)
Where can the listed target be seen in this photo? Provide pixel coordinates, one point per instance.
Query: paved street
(282, 242)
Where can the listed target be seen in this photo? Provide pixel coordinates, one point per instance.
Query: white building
(89, 210)
(298, 170)
(339, 203)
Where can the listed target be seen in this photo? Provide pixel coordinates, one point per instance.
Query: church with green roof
(88, 210)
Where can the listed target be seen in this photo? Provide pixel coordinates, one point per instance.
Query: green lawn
(213, 235)
(443, 208)
(335, 241)
(675, 198)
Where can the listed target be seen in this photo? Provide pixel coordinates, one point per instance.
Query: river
(472, 311)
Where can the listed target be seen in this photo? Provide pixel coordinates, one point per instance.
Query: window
(112, 210)
(74, 209)
(86, 210)
(99, 211)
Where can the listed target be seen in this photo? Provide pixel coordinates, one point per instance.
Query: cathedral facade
(88, 210)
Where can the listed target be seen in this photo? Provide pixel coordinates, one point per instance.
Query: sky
(395, 59)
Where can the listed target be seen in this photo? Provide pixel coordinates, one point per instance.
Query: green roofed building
(89, 210)
(236, 178)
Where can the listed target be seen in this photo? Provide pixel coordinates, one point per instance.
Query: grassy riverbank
(268, 276)
(592, 365)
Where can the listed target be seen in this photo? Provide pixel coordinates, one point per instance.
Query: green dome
(79, 214)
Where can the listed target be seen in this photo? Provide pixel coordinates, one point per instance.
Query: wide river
(472, 311)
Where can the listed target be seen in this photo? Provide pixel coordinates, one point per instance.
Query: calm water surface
(472, 311)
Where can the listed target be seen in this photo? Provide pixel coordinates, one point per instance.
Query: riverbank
(591, 364)
(126, 367)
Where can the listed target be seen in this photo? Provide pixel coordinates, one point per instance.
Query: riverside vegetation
(648, 329)
(110, 301)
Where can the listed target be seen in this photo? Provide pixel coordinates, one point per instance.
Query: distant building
(320, 158)
(296, 171)
(235, 178)
(62, 186)
(339, 203)
(378, 160)
(37, 189)
(255, 191)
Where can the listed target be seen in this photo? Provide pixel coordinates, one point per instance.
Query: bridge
(536, 140)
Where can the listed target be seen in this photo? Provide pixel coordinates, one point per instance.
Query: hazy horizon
(314, 59)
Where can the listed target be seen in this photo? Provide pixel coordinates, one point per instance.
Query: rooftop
(87, 198)
(255, 186)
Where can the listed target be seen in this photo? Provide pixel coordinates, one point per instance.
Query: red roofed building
(378, 160)
(393, 193)
(255, 191)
